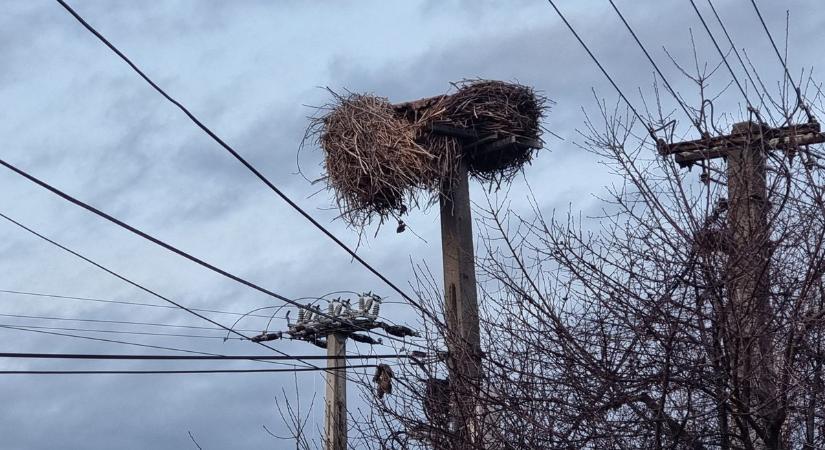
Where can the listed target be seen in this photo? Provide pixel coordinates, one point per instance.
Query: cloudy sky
(75, 115)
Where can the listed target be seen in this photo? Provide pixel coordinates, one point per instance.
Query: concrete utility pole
(748, 312)
(461, 304)
(460, 290)
(331, 330)
(749, 267)
(748, 272)
(335, 414)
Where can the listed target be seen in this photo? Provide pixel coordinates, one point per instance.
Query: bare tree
(644, 327)
(295, 420)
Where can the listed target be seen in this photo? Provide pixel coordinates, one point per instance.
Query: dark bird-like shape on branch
(383, 378)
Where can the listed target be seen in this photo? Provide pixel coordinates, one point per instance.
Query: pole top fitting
(747, 126)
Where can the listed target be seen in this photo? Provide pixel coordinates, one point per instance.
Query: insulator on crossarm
(360, 303)
(376, 307)
(301, 314)
(330, 308)
(367, 306)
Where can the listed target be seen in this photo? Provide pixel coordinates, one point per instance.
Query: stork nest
(381, 159)
(373, 162)
(506, 109)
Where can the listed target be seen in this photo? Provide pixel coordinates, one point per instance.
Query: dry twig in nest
(372, 160)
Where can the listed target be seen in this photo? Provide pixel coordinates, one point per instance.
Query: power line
(655, 66)
(124, 302)
(739, 58)
(29, 355)
(240, 158)
(119, 322)
(167, 372)
(136, 333)
(155, 347)
(54, 333)
(152, 305)
(115, 274)
(782, 61)
(160, 243)
(144, 235)
(99, 339)
(607, 75)
(722, 54)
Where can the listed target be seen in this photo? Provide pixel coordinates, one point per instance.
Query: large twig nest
(381, 159)
(373, 162)
(506, 109)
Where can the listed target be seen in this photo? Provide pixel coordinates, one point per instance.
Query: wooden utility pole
(746, 317)
(335, 417)
(748, 275)
(461, 304)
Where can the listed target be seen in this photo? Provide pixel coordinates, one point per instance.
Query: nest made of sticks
(506, 109)
(382, 159)
(373, 161)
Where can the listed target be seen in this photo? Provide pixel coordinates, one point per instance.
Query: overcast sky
(76, 116)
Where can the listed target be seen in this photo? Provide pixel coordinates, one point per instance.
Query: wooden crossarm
(507, 142)
(778, 143)
(737, 140)
(757, 136)
(447, 130)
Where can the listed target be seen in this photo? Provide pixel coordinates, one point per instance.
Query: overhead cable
(124, 302)
(103, 356)
(160, 243)
(603, 70)
(171, 372)
(656, 67)
(117, 275)
(240, 158)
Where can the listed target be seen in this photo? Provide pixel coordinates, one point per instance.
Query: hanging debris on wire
(383, 380)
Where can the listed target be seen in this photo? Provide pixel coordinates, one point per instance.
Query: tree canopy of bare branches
(658, 324)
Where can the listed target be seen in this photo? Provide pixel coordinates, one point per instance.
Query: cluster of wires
(696, 115)
(231, 331)
(144, 357)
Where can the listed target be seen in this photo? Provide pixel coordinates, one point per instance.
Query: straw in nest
(382, 159)
(373, 161)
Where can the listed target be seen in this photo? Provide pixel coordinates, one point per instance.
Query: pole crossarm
(791, 137)
(316, 332)
(314, 327)
(487, 143)
(348, 326)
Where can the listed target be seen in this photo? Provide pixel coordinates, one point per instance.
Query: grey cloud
(92, 127)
